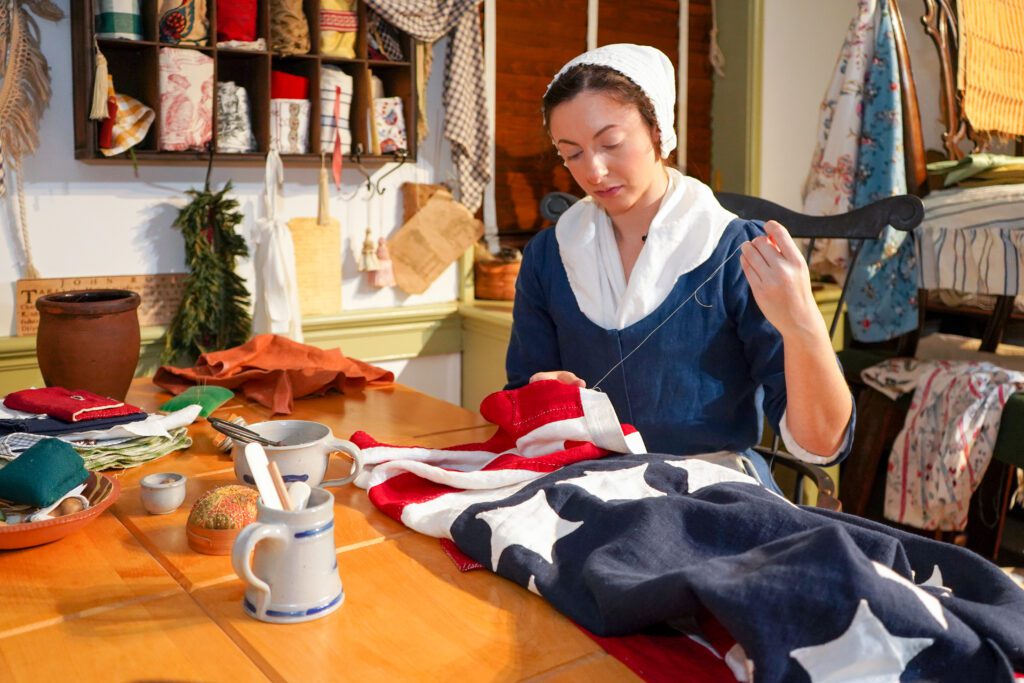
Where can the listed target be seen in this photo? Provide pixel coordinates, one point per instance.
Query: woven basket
(496, 279)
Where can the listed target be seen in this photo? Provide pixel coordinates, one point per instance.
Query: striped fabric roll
(118, 19)
(971, 240)
(332, 78)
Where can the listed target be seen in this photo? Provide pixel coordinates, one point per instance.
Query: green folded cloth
(971, 165)
(208, 397)
(42, 474)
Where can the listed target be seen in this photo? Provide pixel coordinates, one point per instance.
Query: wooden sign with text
(161, 295)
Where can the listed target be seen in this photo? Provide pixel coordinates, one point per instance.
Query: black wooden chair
(903, 212)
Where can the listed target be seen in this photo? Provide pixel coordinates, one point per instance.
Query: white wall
(98, 219)
(802, 40)
(801, 43)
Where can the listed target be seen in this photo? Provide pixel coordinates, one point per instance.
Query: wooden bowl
(101, 490)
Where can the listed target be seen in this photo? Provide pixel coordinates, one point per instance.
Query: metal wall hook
(356, 157)
(401, 156)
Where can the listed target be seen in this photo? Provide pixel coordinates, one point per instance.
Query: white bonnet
(648, 68)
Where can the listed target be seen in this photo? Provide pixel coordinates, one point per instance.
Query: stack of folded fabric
(336, 90)
(289, 112)
(979, 170)
(105, 432)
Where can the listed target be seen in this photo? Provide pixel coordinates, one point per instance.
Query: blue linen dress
(702, 383)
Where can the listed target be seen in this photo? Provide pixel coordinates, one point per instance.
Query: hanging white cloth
(277, 309)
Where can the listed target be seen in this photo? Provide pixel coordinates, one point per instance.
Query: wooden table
(126, 599)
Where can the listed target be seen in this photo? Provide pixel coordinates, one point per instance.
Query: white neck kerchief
(683, 235)
(650, 69)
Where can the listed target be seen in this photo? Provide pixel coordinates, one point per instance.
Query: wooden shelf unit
(134, 65)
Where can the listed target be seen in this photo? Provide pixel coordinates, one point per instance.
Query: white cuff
(798, 452)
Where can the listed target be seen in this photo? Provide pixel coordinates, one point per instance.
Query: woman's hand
(780, 281)
(563, 376)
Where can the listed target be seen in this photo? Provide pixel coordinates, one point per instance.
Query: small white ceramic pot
(163, 492)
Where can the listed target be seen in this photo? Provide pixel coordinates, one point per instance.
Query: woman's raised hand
(563, 376)
(780, 281)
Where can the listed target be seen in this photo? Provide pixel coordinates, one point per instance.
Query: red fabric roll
(236, 20)
(286, 86)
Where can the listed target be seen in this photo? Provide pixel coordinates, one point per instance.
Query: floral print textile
(882, 301)
(186, 99)
(828, 189)
(948, 438)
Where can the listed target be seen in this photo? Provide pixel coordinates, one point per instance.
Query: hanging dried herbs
(214, 313)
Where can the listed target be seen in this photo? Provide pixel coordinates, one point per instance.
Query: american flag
(564, 501)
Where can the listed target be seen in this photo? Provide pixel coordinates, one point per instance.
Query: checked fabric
(465, 123)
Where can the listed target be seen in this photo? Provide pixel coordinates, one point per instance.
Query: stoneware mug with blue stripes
(303, 455)
(293, 575)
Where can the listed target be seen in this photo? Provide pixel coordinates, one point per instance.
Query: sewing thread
(693, 295)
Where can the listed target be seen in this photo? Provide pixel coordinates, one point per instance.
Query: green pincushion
(209, 398)
(42, 474)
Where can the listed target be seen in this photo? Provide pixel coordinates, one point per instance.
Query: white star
(613, 485)
(866, 653)
(929, 601)
(935, 580)
(700, 474)
(531, 524)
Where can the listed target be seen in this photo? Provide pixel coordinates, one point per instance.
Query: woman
(639, 290)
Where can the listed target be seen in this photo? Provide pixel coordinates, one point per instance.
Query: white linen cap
(650, 70)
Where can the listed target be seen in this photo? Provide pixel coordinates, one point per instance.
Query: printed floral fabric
(828, 189)
(882, 301)
(234, 127)
(948, 438)
(390, 124)
(183, 21)
(335, 84)
(186, 99)
(289, 126)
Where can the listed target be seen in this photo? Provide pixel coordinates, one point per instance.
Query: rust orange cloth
(273, 371)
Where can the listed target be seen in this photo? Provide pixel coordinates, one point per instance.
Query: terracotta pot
(89, 340)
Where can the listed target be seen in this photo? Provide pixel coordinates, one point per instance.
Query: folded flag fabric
(620, 543)
(273, 371)
(70, 406)
(186, 99)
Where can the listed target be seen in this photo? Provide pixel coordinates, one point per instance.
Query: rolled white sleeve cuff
(800, 453)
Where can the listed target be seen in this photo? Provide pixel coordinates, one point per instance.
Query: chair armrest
(826, 487)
